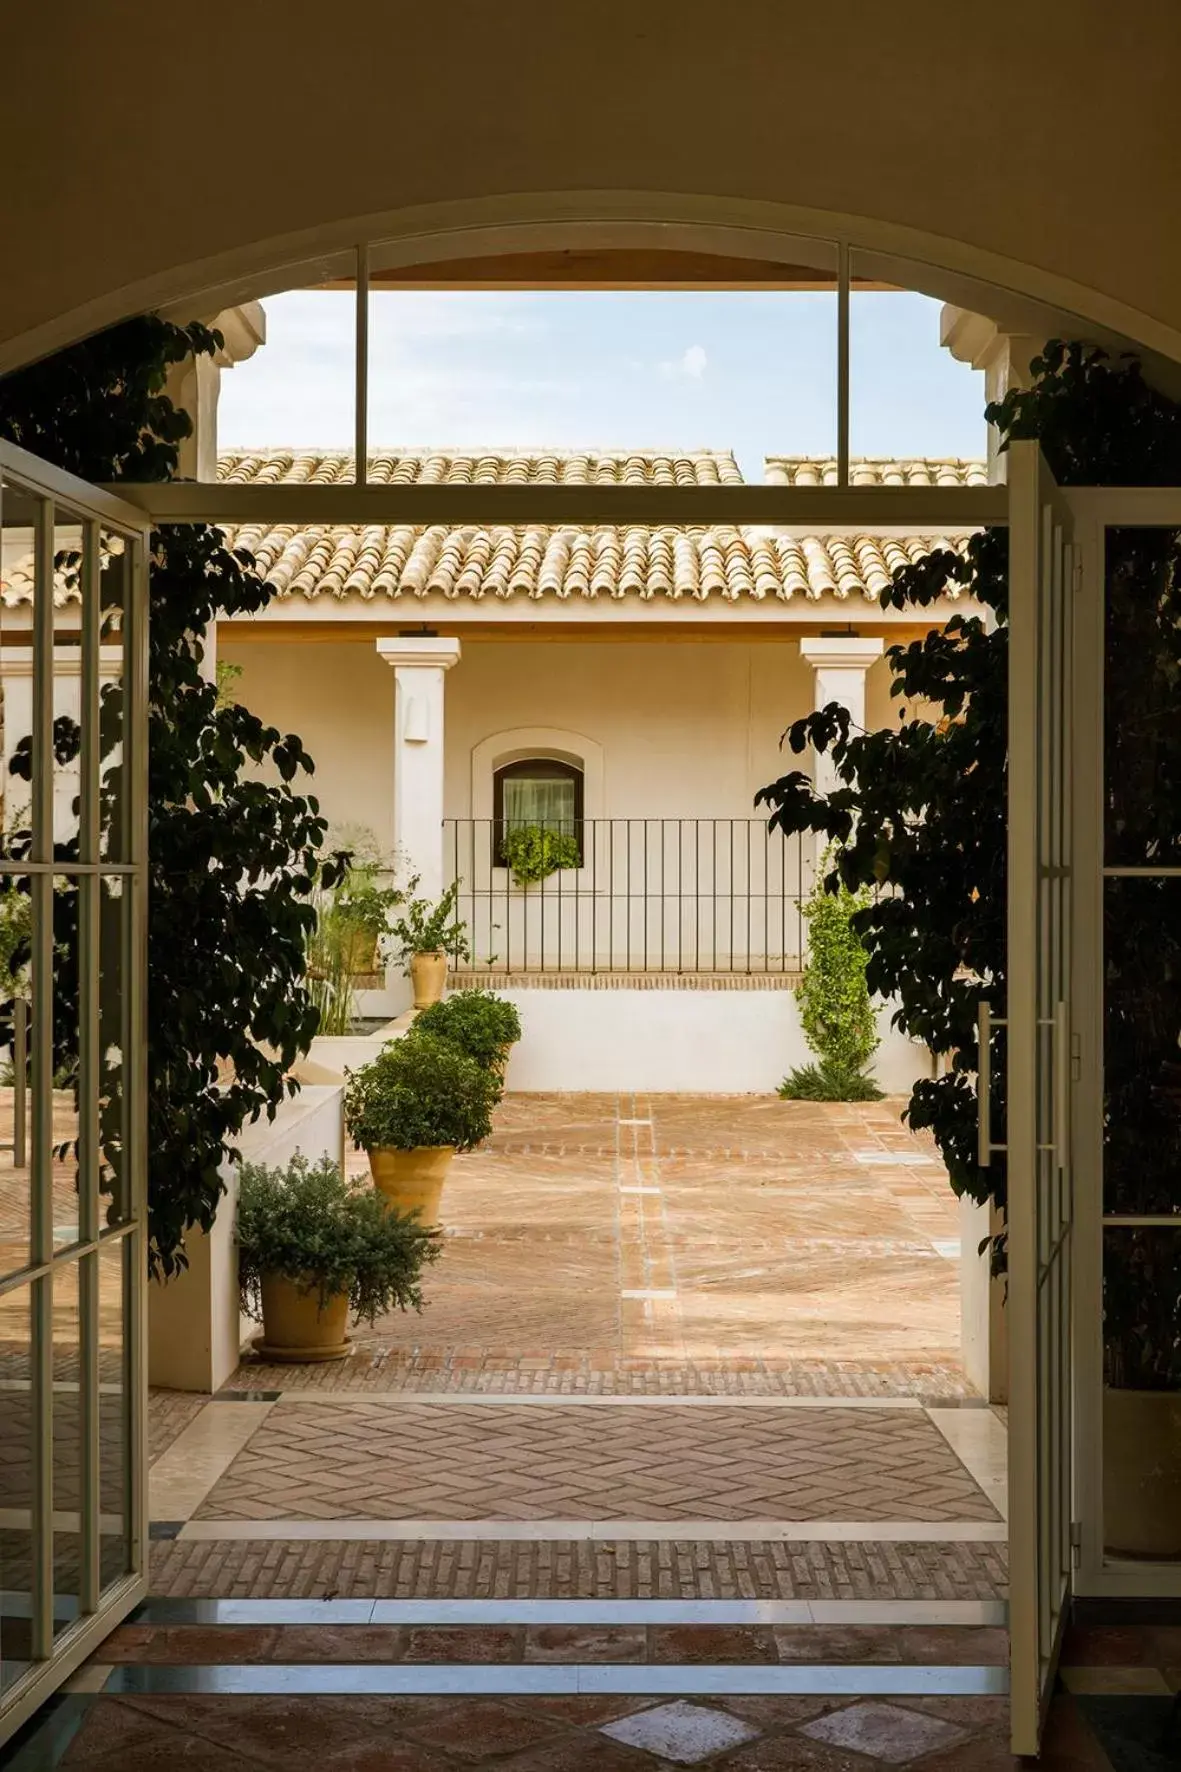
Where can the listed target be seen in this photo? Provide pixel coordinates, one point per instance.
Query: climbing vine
(834, 1002)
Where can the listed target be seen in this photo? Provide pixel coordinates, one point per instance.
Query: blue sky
(751, 372)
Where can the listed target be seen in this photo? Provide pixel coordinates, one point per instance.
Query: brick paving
(574, 1375)
(644, 1569)
(600, 1238)
(423, 1461)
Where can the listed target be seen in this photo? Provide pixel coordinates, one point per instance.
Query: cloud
(689, 366)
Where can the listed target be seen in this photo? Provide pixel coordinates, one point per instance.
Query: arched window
(541, 791)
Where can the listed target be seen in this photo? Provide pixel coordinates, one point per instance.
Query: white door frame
(108, 1550)
(1095, 510)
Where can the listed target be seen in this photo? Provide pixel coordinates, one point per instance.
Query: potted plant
(532, 852)
(426, 936)
(419, 1102)
(481, 1024)
(312, 1249)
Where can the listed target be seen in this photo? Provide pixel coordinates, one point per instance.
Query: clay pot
(412, 1181)
(1142, 1473)
(296, 1327)
(428, 974)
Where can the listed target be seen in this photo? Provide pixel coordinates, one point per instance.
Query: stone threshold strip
(648, 1613)
(191, 1531)
(354, 1679)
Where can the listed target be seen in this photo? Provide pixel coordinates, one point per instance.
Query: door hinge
(1077, 576)
(1076, 1058)
(1076, 1542)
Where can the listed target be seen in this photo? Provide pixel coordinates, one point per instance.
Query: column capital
(840, 652)
(422, 650)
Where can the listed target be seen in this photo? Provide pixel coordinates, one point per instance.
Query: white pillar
(419, 665)
(840, 663)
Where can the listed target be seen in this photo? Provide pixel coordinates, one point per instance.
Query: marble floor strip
(886, 1613)
(565, 1531)
(200, 1455)
(980, 1442)
(309, 1679)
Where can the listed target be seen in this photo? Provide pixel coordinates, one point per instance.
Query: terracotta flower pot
(1142, 1473)
(428, 974)
(412, 1181)
(296, 1327)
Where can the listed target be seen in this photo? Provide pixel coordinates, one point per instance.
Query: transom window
(537, 791)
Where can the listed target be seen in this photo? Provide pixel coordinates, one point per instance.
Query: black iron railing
(651, 895)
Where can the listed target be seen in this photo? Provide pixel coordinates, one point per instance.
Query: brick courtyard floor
(675, 1346)
(738, 1243)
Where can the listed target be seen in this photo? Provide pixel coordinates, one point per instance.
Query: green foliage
(428, 928)
(351, 917)
(534, 851)
(233, 859)
(226, 675)
(16, 929)
(820, 1082)
(306, 1223)
(420, 1090)
(480, 1023)
(834, 1001)
(921, 809)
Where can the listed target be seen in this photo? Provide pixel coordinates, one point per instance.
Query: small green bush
(427, 928)
(306, 1221)
(533, 852)
(480, 1023)
(420, 1090)
(835, 1005)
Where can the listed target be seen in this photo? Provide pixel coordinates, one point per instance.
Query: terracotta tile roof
(567, 563)
(875, 470)
(429, 467)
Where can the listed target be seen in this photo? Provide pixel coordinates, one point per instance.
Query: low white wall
(726, 1041)
(194, 1323)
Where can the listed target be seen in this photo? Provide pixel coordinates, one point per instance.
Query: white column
(419, 665)
(840, 663)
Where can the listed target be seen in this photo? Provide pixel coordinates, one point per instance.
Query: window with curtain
(538, 791)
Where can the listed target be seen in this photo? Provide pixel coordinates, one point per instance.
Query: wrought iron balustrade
(670, 895)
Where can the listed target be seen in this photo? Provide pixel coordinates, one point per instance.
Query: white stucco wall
(724, 1041)
(688, 729)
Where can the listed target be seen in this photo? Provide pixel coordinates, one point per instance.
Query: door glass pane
(114, 1423)
(1142, 1046)
(1142, 697)
(15, 980)
(67, 1445)
(114, 952)
(1142, 1394)
(114, 608)
(16, 1483)
(64, 904)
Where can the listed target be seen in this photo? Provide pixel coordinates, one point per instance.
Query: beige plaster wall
(1032, 145)
(688, 729)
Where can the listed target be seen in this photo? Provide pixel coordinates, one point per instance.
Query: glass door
(73, 1251)
(1039, 1084)
(1129, 982)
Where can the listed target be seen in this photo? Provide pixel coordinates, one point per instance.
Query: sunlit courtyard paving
(609, 1234)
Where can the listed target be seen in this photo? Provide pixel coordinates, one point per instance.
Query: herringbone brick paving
(418, 1461)
(644, 1569)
